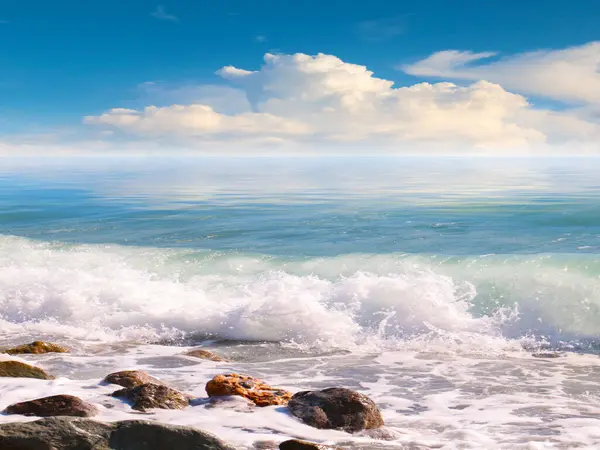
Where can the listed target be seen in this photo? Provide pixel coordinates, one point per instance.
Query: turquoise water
(497, 246)
(431, 285)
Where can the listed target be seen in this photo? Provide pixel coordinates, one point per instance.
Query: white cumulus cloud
(571, 74)
(305, 100)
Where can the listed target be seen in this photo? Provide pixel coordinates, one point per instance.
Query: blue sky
(62, 61)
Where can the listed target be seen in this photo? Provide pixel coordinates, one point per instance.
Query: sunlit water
(428, 284)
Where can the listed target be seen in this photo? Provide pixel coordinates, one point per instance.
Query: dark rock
(57, 405)
(55, 433)
(16, 369)
(143, 435)
(204, 354)
(255, 390)
(294, 444)
(131, 378)
(148, 396)
(336, 408)
(37, 347)
(66, 433)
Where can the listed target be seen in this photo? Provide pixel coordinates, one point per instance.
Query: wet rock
(56, 405)
(143, 435)
(67, 433)
(255, 390)
(17, 369)
(294, 444)
(55, 433)
(265, 445)
(148, 396)
(336, 408)
(37, 347)
(131, 378)
(205, 354)
(548, 355)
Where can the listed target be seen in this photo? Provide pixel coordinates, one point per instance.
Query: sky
(313, 77)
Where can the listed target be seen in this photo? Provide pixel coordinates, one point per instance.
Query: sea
(461, 294)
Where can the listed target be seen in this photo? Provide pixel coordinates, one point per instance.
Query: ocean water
(462, 295)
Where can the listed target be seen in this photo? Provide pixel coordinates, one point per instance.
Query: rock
(17, 369)
(67, 433)
(131, 378)
(548, 355)
(55, 433)
(143, 435)
(255, 390)
(148, 396)
(57, 405)
(37, 347)
(294, 444)
(336, 408)
(204, 354)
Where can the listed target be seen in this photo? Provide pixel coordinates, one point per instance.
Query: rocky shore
(66, 421)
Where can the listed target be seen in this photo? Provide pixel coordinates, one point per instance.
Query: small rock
(547, 355)
(255, 390)
(148, 396)
(294, 444)
(143, 435)
(265, 445)
(131, 378)
(204, 354)
(17, 369)
(336, 408)
(37, 347)
(57, 405)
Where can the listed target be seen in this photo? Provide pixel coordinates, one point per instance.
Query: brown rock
(205, 354)
(131, 378)
(16, 369)
(148, 396)
(294, 444)
(248, 387)
(336, 408)
(57, 405)
(37, 347)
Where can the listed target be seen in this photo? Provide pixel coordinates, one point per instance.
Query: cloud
(160, 14)
(382, 29)
(260, 38)
(570, 75)
(305, 100)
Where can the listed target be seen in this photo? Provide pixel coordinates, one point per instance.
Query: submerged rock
(37, 347)
(255, 390)
(66, 433)
(17, 369)
(131, 378)
(294, 444)
(205, 354)
(148, 396)
(336, 408)
(56, 405)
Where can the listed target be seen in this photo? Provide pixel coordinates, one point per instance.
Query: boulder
(294, 444)
(148, 396)
(17, 369)
(131, 378)
(204, 354)
(37, 347)
(255, 390)
(56, 405)
(67, 433)
(143, 435)
(55, 433)
(336, 408)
